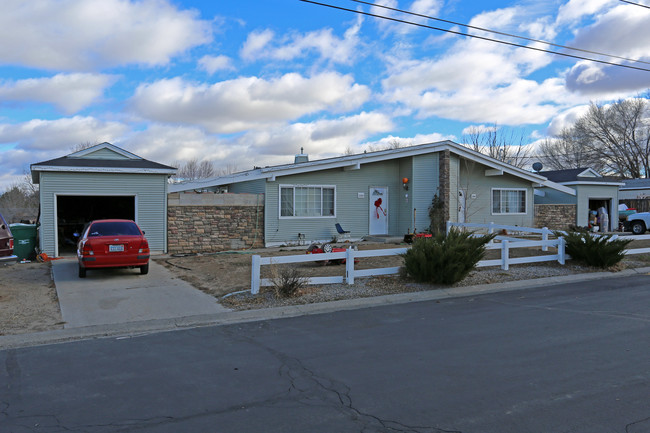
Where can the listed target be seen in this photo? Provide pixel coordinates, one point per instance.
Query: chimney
(301, 157)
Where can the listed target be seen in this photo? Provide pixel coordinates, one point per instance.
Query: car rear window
(118, 228)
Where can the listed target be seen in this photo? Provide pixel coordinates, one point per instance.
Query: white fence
(350, 272)
(505, 245)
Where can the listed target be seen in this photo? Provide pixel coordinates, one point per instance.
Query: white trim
(558, 187)
(101, 146)
(508, 189)
(590, 170)
(68, 169)
(593, 182)
(294, 186)
(56, 211)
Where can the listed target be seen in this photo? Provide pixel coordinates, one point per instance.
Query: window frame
(293, 188)
(525, 212)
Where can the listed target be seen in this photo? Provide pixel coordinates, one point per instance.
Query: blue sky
(250, 82)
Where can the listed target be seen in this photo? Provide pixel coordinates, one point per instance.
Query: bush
(597, 251)
(445, 259)
(287, 281)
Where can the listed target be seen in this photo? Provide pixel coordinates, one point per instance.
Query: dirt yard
(28, 301)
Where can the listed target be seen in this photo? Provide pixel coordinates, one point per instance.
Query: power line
(636, 4)
(500, 33)
(476, 36)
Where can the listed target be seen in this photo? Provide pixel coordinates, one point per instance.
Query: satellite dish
(538, 166)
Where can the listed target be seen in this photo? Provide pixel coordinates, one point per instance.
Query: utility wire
(500, 33)
(476, 36)
(635, 4)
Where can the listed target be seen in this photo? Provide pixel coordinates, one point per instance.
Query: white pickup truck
(638, 223)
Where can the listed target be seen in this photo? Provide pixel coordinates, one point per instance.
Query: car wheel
(638, 228)
(82, 272)
(144, 269)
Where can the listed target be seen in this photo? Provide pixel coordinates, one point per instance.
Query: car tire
(82, 272)
(638, 227)
(144, 269)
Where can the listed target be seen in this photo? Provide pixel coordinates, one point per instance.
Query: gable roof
(574, 176)
(636, 184)
(102, 158)
(354, 162)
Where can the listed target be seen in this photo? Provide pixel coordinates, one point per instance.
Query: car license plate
(115, 248)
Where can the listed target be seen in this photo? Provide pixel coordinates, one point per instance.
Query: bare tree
(569, 149)
(193, 169)
(619, 135)
(20, 201)
(505, 145)
(83, 146)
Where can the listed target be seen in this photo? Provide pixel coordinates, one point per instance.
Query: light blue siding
(250, 187)
(104, 154)
(425, 184)
(352, 203)
(479, 187)
(150, 192)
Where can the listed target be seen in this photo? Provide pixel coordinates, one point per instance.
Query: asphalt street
(568, 358)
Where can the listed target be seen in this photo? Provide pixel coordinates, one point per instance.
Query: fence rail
(504, 244)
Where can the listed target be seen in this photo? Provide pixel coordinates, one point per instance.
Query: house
(635, 189)
(384, 193)
(556, 209)
(102, 181)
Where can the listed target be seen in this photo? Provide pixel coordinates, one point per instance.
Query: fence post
(505, 253)
(255, 275)
(490, 231)
(560, 250)
(448, 226)
(349, 266)
(545, 231)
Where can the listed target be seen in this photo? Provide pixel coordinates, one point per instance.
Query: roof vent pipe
(301, 157)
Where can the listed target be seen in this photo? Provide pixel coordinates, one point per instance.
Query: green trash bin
(24, 240)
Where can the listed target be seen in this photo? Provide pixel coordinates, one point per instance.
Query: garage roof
(102, 158)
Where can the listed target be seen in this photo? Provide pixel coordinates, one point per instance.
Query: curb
(136, 329)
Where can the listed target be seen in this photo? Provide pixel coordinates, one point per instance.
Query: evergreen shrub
(598, 251)
(445, 258)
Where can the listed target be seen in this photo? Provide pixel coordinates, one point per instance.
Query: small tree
(445, 258)
(437, 215)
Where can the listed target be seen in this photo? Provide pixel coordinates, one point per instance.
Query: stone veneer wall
(209, 222)
(555, 216)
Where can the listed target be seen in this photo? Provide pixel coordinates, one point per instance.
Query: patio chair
(343, 234)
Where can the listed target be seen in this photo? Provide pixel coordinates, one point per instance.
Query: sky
(250, 82)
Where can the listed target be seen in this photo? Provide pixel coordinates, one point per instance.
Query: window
(307, 201)
(508, 201)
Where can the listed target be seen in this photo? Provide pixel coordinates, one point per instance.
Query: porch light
(405, 183)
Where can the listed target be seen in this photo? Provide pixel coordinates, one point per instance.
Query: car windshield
(116, 228)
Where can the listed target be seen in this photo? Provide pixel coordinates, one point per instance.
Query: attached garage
(100, 182)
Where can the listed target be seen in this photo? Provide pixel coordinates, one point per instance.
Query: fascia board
(104, 146)
(558, 187)
(593, 182)
(51, 168)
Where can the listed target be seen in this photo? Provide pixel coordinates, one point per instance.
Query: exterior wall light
(405, 183)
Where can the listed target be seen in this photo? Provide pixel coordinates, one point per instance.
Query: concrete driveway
(115, 296)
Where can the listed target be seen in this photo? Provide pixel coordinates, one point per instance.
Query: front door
(378, 211)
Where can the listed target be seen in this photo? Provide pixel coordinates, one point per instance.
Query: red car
(112, 244)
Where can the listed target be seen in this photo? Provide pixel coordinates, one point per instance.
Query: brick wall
(207, 222)
(555, 216)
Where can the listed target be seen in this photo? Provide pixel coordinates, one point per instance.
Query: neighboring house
(557, 209)
(384, 193)
(102, 181)
(635, 189)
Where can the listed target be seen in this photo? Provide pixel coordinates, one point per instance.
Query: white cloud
(69, 92)
(53, 135)
(41, 140)
(574, 11)
(212, 64)
(247, 103)
(262, 45)
(86, 35)
(479, 129)
(566, 119)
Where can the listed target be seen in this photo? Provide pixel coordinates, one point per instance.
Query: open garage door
(73, 212)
